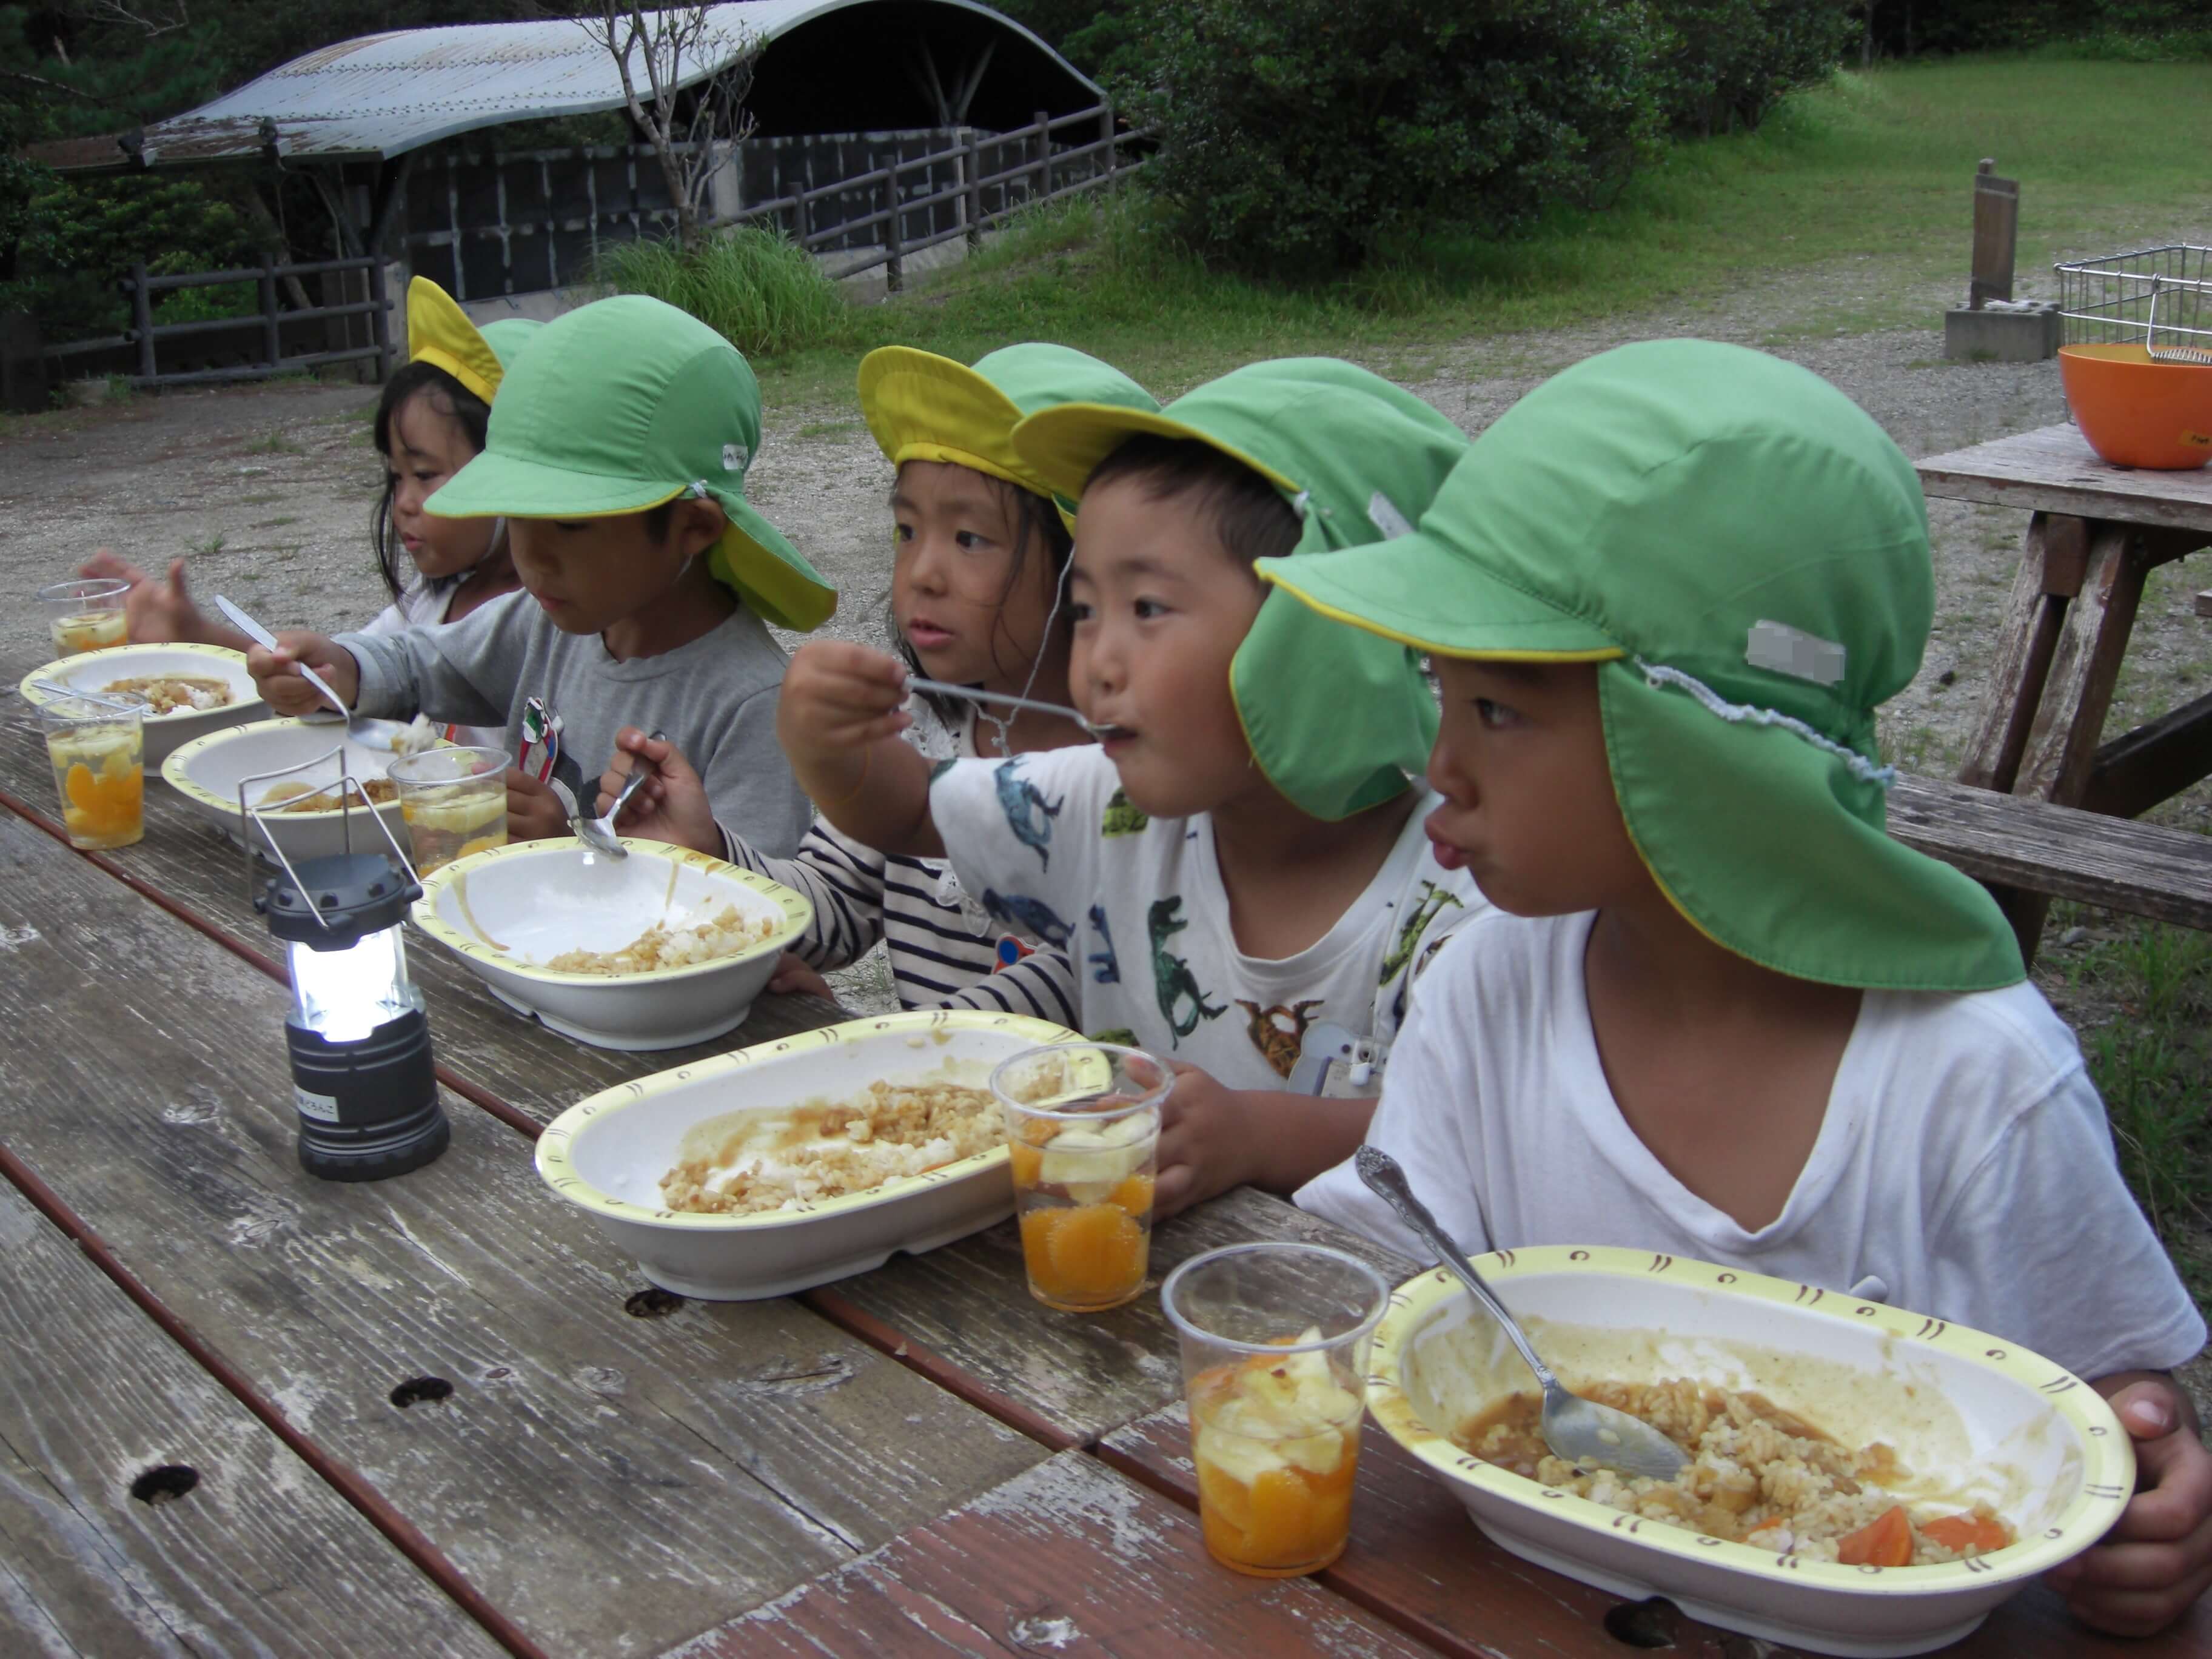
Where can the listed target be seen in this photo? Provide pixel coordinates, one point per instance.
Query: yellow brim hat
(439, 333)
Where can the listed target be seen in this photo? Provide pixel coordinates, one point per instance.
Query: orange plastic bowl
(2135, 412)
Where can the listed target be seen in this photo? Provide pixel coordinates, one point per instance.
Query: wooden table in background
(2096, 531)
(244, 1411)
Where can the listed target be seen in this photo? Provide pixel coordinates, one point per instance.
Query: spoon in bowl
(1582, 1431)
(970, 694)
(598, 833)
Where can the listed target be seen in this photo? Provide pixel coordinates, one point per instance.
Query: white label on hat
(1788, 650)
(1382, 513)
(734, 458)
(324, 1109)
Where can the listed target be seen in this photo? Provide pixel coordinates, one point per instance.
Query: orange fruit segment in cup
(1277, 1445)
(1086, 1254)
(110, 801)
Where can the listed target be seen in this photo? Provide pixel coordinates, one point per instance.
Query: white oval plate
(95, 670)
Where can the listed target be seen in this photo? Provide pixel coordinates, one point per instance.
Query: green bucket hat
(921, 407)
(621, 405)
(1340, 722)
(1744, 554)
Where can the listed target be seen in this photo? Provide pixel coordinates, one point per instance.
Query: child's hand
(534, 812)
(159, 610)
(837, 699)
(793, 977)
(1207, 1136)
(276, 674)
(2157, 1558)
(670, 805)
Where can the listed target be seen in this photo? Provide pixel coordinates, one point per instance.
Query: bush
(79, 239)
(1725, 63)
(1300, 134)
(756, 288)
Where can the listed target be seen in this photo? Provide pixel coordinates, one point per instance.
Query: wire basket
(2119, 298)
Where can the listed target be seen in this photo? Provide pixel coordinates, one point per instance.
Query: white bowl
(606, 1155)
(1983, 1420)
(507, 909)
(207, 771)
(95, 671)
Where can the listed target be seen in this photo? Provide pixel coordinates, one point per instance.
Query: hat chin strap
(1866, 771)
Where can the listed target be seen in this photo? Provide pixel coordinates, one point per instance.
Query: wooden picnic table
(242, 1410)
(2095, 533)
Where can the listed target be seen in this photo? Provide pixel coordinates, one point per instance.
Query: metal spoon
(1584, 1432)
(971, 694)
(118, 702)
(598, 834)
(360, 730)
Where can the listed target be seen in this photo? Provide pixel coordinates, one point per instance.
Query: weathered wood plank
(2026, 634)
(1067, 1558)
(475, 1034)
(2053, 470)
(1076, 1376)
(614, 1482)
(1415, 1551)
(93, 1397)
(2154, 762)
(2014, 841)
(2085, 666)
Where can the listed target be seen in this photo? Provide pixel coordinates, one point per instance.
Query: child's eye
(1493, 715)
(1149, 608)
(968, 541)
(903, 532)
(1077, 611)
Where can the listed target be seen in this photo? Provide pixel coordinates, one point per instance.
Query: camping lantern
(360, 1040)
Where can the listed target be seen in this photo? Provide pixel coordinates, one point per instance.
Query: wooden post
(380, 318)
(1106, 137)
(1997, 236)
(272, 340)
(893, 241)
(1044, 164)
(141, 317)
(971, 176)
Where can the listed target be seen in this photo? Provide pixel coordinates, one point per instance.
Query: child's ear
(697, 525)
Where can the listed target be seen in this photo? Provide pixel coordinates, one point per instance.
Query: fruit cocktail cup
(1083, 1121)
(1274, 1363)
(453, 800)
(98, 748)
(86, 615)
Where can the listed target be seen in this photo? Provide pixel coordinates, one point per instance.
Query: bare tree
(692, 126)
(154, 19)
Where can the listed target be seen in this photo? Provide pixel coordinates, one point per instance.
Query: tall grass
(757, 288)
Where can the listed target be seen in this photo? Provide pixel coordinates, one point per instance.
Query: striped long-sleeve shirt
(944, 951)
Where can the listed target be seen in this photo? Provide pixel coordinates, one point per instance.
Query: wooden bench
(2017, 843)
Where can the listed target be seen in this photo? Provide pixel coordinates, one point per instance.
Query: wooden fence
(540, 216)
(272, 339)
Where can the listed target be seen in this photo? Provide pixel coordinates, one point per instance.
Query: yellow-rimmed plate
(606, 1155)
(508, 909)
(1971, 1416)
(207, 772)
(95, 671)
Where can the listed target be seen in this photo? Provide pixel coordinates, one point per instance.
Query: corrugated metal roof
(384, 94)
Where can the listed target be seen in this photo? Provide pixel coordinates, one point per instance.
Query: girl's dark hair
(1037, 525)
(448, 397)
(1246, 514)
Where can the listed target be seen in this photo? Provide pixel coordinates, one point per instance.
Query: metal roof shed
(824, 66)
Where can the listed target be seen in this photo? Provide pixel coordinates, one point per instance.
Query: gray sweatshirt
(715, 698)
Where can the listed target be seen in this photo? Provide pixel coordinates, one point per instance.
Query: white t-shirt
(1964, 1170)
(422, 605)
(1053, 851)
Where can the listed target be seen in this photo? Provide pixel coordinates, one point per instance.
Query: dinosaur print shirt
(1053, 851)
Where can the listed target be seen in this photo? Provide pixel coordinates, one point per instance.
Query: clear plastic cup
(1274, 1363)
(1083, 1121)
(86, 614)
(98, 748)
(453, 801)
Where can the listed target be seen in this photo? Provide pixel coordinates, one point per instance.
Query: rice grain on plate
(725, 933)
(1758, 1475)
(827, 1149)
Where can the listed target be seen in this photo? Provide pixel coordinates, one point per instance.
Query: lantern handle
(347, 786)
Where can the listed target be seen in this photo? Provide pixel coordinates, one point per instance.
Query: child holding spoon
(430, 423)
(979, 561)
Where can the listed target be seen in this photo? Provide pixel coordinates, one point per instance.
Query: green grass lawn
(1872, 170)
